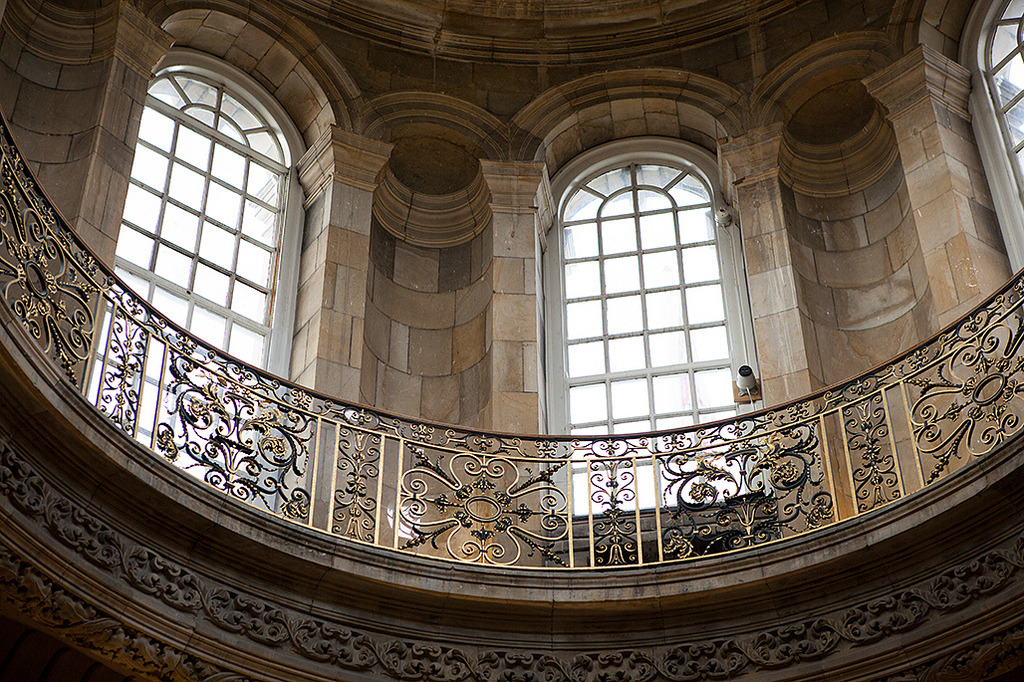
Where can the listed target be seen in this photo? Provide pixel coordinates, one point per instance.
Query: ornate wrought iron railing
(530, 501)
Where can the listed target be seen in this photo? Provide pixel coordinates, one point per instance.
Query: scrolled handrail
(510, 500)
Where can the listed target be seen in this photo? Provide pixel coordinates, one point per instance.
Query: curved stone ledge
(125, 556)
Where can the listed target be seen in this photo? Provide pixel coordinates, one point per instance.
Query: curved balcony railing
(530, 501)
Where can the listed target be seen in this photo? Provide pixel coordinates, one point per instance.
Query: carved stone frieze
(25, 589)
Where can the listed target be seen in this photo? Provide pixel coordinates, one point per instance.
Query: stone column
(516, 203)
(925, 98)
(338, 173)
(786, 347)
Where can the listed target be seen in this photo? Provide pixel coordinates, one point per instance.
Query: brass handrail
(525, 501)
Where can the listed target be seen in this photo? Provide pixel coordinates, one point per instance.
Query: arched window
(649, 303)
(993, 49)
(202, 232)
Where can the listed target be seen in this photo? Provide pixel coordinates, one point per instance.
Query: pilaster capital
(138, 42)
(920, 75)
(754, 155)
(341, 156)
(516, 186)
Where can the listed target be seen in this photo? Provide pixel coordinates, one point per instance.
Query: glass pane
(640, 426)
(246, 345)
(675, 422)
(583, 320)
(263, 184)
(658, 176)
(1009, 79)
(657, 231)
(704, 304)
(180, 227)
(648, 200)
(668, 348)
(173, 266)
(156, 129)
(709, 344)
(1013, 9)
(1004, 40)
(587, 404)
(626, 354)
(1015, 122)
(198, 92)
(611, 181)
(193, 148)
(134, 247)
(266, 144)
(174, 307)
(700, 264)
(582, 279)
(231, 130)
(618, 236)
(664, 309)
(223, 205)
(661, 269)
(135, 283)
(187, 186)
(260, 223)
(672, 393)
(150, 168)
(582, 206)
(620, 204)
(622, 274)
(714, 388)
(218, 246)
(586, 359)
(690, 191)
(249, 302)
(238, 113)
(211, 284)
(254, 263)
(581, 241)
(629, 398)
(208, 326)
(625, 315)
(165, 92)
(142, 208)
(695, 226)
(228, 166)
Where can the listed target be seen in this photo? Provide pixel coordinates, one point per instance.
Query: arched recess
(276, 49)
(939, 24)
(571, 118)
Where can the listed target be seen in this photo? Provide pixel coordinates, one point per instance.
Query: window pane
(218, 246)
(714, 388)
(180, 227)
(586, 359)
(254, 263)
(672, 393)
(150, 168)
(223, 205)
(583, 320)
(208, 326)
(587, 403)
(187, 186)
(211, 284)
(652, 201)
(156, 129)
(709, 344)
(193, 148)
(626, 354)
(657, 231)
(657, 176)
(625, 315)
(661, 269)
(629, 398)
(618, 236)
(704, 304)
(134, 247)
(582, 206)
(611, 181)
(249, 302)
(700, 264)
(165, 92)
(229, 166)
(690, 191)
(174, 307)
(695, 226)
(668, 348)
(582, 279)
(263, 184)
(173, 266)
(664, 309)
(621, 274)
(620, 204)
(260, 223)
(246, 345)
(581, 241)
(142, 208)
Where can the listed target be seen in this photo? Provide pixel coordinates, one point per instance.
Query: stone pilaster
(925, 97)
(785, 343)
(517, 201)
(338, 173)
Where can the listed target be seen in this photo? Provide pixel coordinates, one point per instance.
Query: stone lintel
(754, 156)
(514, 185)
(921, 74)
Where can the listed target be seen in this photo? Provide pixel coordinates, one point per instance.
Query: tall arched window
(648, 303)
(202, 233)
(993, 49)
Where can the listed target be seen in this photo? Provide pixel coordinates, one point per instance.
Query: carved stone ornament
(28, 592)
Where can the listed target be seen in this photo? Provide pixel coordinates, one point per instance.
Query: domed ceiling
(543, 31)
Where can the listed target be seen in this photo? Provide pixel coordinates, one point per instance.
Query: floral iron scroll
(462, 495)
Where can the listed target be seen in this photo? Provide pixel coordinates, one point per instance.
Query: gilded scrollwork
(355, 497)
(875, 473)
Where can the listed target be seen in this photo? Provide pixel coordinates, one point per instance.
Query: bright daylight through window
(646, 343)
(202, 219)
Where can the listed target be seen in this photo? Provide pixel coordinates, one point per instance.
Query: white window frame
(1005, 179)
(285, 286)
(671, 152)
